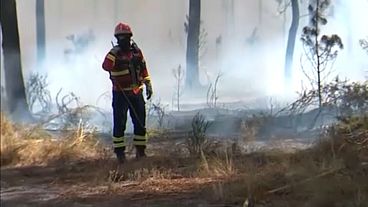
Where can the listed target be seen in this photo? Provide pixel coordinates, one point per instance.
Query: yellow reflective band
(119, 145)
(131, 88)
(118, 139)
(140, 143)
(147, 78)
(110, 57)
(117, 73)
(140, 138)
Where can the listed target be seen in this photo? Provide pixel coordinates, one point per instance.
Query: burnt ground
(88, 183)
(39, 186)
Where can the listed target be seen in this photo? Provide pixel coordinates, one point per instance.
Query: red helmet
(122, 28)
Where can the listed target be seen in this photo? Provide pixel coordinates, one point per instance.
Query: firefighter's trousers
(122, 102)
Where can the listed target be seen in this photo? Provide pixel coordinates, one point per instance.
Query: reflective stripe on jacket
(127, 70)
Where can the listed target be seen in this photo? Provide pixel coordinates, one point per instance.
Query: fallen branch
(328, 172)
(55, 116)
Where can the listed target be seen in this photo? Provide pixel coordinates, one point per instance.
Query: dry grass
(331, 173)
(217, 165)
(25, 145)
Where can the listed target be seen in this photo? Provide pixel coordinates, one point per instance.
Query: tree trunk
(41, 32)
(291, 41)
(192, 74)
(14, 85)
(319, 83)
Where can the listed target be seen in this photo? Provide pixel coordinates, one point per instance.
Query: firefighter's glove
(149, 90)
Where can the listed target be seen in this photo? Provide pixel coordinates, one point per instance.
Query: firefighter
(128, 73)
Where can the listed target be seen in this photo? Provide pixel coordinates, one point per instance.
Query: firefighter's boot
(120, 155)
(140, 152)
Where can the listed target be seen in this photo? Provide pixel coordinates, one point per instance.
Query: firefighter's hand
(149, 90)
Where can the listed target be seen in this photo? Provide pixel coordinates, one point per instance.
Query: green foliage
(348, 98)
(353, 124)
(321, 51)
(354, 129)
(339, 98)
(197, 140)
(325, 48)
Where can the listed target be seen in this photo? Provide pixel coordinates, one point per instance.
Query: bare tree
(212, 95)
(179, 77)
(38, 96)
(70, 109)
(320, 51)
(14, 85)
(192, 54)
(160, 110)
(41, 31)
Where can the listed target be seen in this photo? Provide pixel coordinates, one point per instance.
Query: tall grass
(19, 146)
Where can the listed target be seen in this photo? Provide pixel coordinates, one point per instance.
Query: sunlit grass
(26, 145)
(332, 172)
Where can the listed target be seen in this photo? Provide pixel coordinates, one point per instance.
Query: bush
(197, 140)
(353, 129)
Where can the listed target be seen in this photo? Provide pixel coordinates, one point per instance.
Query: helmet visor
(123, 36)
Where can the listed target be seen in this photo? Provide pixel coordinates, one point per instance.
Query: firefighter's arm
(110, 60)
(143, 68)
(149, 90)
(146, 77)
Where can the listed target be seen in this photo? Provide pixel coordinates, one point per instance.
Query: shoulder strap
(115, 50)
(135, 47)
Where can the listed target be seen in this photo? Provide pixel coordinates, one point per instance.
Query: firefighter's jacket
(127, 70)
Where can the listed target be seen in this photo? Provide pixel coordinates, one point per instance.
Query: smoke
(349, 22)
(250, 55)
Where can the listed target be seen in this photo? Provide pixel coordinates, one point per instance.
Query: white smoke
(250, 71)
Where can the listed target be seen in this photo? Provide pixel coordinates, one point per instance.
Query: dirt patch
(43, 186)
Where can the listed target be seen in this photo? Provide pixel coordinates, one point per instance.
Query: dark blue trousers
(122, 102)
